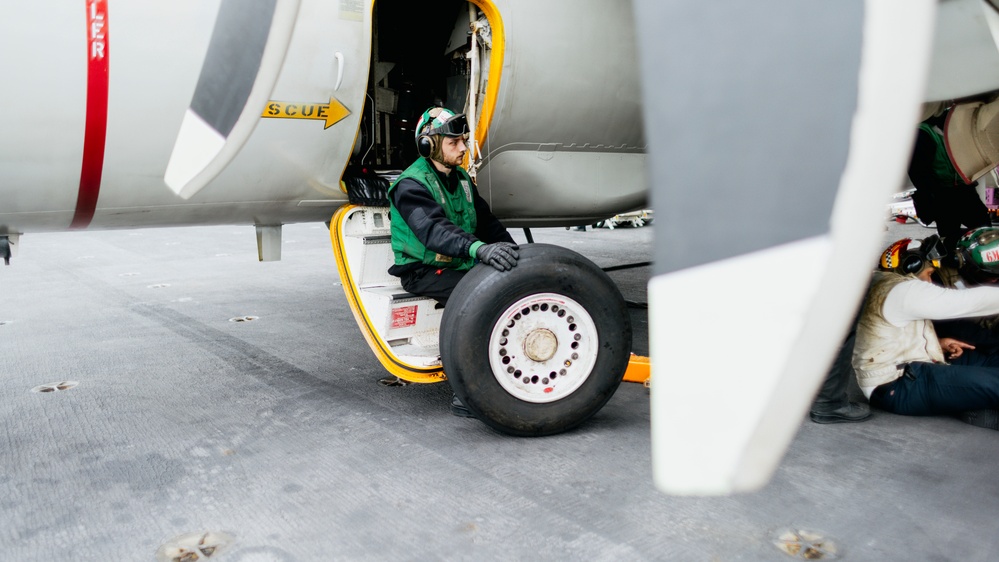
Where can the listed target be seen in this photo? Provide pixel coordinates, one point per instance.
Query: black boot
(852, 412)
(459, 409)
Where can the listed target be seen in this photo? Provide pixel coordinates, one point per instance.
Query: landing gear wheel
(539, 349)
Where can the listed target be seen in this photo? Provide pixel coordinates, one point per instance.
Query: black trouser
(431, 282)
(970, 382)
(951, 206)
(833, 393)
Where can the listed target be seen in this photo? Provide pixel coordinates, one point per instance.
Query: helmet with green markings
(436, 122)
(977, 254)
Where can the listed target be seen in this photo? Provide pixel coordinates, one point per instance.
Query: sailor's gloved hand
(501, 255)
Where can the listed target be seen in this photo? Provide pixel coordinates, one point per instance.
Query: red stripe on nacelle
(95, 134)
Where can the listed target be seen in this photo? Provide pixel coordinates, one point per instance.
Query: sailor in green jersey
(941, 194)
(440, 224)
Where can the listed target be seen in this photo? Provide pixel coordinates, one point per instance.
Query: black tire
(552, 276)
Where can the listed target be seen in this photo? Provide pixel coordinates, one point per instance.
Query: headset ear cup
(425, 146)
(912, 264)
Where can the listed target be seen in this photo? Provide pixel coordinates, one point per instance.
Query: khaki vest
(881, 346)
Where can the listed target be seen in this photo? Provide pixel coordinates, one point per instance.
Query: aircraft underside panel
(808, 111)
(585, 186)
(566, 136)
(965, 53)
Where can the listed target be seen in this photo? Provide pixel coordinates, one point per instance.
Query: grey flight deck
(275, 431)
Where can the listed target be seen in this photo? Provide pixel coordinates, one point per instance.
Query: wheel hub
(543, 347)
(540, 345)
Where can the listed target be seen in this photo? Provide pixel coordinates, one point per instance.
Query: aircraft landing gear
(539, 349)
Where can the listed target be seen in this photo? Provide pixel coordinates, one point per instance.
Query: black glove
(501, 255)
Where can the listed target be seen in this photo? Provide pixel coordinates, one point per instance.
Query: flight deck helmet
(977, 255)
(434, 123)
(906, 257)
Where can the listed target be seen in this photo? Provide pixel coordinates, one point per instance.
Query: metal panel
(569, 96)
(749, 108)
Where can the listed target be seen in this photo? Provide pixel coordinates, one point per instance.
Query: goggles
(456, 126)
(933, 250)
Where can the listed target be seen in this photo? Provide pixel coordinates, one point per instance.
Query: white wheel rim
(543, 347)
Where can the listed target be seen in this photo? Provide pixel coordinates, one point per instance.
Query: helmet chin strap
(437, 164)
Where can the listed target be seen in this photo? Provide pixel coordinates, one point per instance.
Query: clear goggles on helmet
(456, 126)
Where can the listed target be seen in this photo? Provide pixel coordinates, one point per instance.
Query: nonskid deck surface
(272, 430)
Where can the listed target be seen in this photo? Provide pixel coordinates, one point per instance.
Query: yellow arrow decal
(332, 112)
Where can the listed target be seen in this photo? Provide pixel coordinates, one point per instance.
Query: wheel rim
(543, 347)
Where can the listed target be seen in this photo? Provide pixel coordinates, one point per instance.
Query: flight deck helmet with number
(977, 254)
(434, 123)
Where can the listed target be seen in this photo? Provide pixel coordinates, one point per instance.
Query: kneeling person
(899, 360)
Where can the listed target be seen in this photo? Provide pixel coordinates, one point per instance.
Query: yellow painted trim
(639, 369)
(495, 69)
(378, 346)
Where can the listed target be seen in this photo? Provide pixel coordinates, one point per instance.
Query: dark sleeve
(488, 228)
(427, 219)
(921, 165)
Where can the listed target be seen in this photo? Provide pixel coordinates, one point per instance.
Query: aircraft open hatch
(421, 57)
